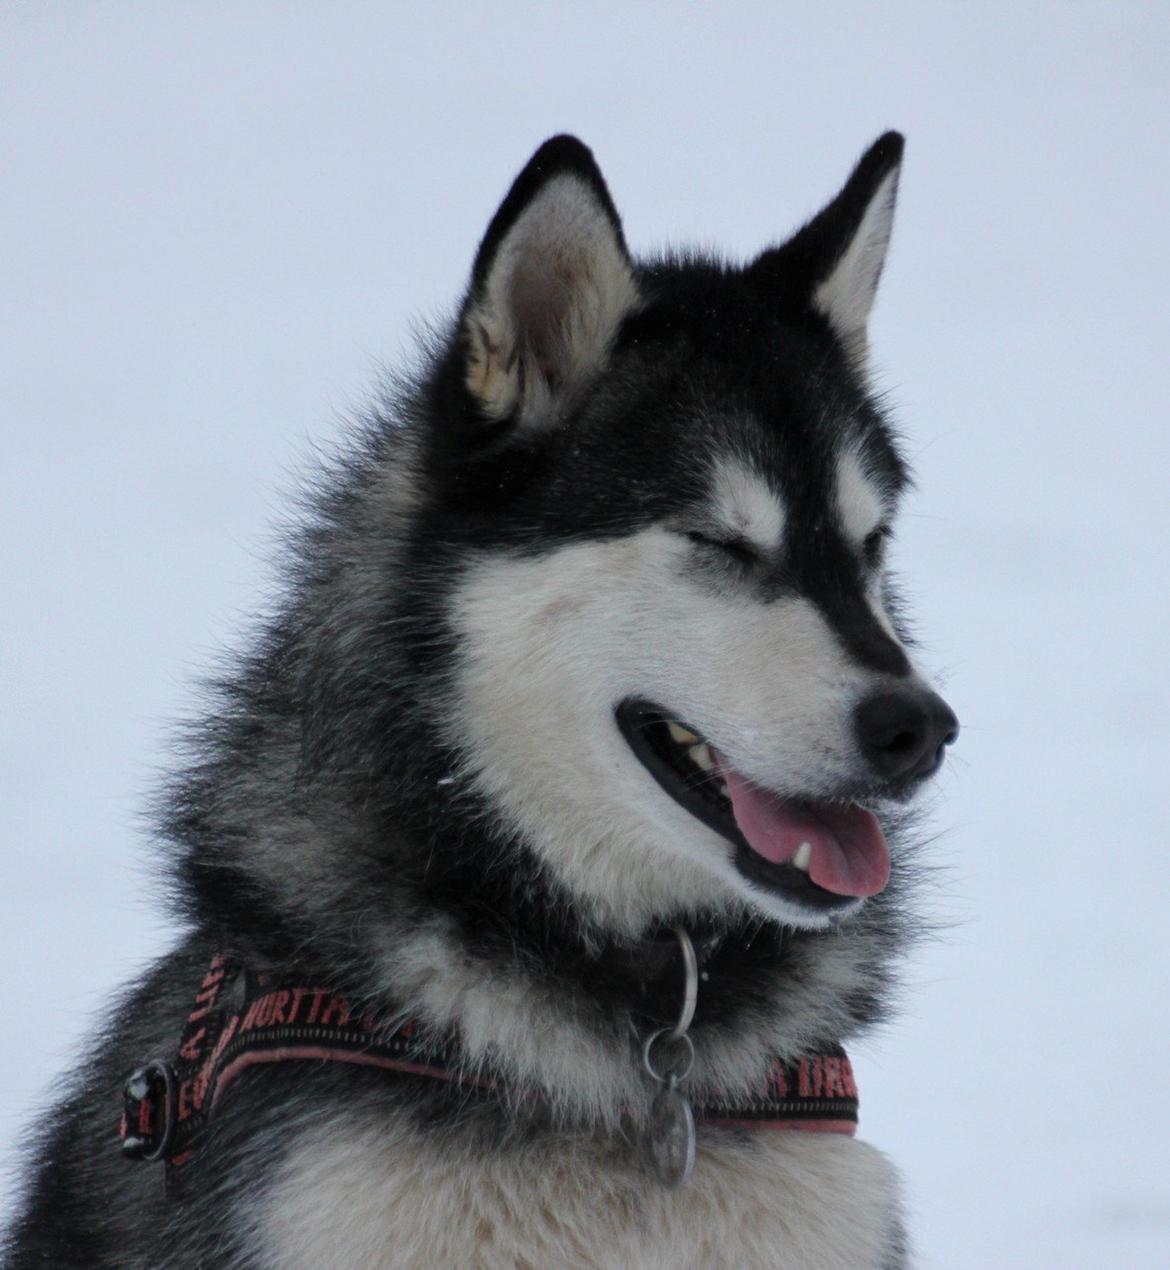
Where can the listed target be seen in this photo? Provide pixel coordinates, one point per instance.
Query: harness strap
(240, 1020)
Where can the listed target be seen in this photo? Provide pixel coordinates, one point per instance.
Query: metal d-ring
(686, 1014)
(690, 984)
(669, 1137)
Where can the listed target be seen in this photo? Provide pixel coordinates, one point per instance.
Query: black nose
(904, 733)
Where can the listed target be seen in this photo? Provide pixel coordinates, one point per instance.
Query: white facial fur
(860, 507)
(552, 644)
(860, 510)
(745, 506)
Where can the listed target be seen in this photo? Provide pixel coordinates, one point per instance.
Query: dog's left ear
(834, 262)
(550, 286)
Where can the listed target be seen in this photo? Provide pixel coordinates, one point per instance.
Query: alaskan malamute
(545, 848)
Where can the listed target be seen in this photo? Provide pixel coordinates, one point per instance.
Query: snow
(218, 221)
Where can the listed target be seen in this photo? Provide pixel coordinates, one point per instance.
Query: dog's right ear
(551, 284)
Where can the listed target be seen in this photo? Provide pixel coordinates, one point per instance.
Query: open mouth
(821, 855)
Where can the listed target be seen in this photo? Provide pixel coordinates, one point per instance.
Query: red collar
(240, 1020)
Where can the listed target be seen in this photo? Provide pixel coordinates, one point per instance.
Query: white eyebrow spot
(860, 507)
(746, 505)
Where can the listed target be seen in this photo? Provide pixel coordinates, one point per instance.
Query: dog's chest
(779, 1199)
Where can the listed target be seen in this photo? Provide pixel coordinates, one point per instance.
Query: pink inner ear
(541, 297)
(552, 298)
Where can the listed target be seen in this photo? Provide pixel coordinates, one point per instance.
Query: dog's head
(669, 492)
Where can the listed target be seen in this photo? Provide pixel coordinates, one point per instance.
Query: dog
(549, 841)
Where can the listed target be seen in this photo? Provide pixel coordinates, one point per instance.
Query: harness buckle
(149, 1111)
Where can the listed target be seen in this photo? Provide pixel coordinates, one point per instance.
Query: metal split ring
(673, 1075)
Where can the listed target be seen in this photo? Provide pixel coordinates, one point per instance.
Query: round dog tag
(670, 1138)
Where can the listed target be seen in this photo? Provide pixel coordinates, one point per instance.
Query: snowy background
(217, 221)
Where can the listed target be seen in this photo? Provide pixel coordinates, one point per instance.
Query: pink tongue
(849, 852)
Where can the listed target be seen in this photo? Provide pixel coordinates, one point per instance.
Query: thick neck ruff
(241, 1019)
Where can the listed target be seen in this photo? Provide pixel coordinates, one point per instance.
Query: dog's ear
(550, 286)
(835, 261)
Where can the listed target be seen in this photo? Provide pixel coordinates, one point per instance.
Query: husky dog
(551, 838)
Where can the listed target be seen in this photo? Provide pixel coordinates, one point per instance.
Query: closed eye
(873, 547)
(737, 549)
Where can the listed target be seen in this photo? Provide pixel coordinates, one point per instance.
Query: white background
(218, 221)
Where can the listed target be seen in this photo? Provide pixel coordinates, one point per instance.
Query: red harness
(241, 1020)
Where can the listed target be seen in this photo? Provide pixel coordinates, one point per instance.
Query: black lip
(642, 724)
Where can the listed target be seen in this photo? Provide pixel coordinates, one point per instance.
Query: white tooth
(702, 755)
(680, 734)
(802, 857)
